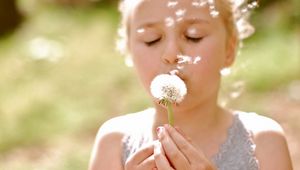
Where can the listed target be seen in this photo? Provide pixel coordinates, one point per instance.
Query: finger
(141, 155)
(161, 160)
(184, 144)
(148, 163)
(184, 135)
(176, 157)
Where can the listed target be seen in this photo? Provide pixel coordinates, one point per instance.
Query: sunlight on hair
(225, 71)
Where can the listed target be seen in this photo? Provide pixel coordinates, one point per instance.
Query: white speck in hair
(254, 3)
(128, 62)
(225, 71)
(235, 94)
(244, 10)
(214, 13)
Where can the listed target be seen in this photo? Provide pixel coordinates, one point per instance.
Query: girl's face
(162, 30)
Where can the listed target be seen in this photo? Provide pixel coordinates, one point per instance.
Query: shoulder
(269, 137)
(107, 150)
(259, 124)
(128, 123)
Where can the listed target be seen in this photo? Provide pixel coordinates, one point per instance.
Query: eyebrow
(185, 20)
(196, 20)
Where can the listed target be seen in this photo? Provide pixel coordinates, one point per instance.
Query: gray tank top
(236, 153)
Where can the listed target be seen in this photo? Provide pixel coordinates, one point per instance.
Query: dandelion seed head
(168, 87)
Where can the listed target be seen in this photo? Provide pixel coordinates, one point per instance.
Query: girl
(206, 136)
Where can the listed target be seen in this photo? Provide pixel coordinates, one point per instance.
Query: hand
(176, 152)
(143, 159)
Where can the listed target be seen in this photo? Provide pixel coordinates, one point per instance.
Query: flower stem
(170, 113)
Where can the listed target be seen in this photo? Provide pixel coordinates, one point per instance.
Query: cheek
(208, 69)
(145, 64)
(214, 54)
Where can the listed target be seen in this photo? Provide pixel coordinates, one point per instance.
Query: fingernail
(167, 126)
(159, 131)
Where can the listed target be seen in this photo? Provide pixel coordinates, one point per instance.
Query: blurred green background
(61, 77)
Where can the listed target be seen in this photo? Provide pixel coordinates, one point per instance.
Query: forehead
(157, 11)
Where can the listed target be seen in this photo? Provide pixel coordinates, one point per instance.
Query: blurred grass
(57, 104)
(44, 100)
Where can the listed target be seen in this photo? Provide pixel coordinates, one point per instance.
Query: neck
(200, 119)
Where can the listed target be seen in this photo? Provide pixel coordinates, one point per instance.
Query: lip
(179, 74)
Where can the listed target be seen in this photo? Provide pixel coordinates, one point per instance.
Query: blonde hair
(235, 14)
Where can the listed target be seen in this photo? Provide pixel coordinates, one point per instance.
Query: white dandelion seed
(184, 59)
(172, 4)
(197, 59)
(180, 12)
(180, 66)
(174, 72)
(214, 13)
(199, 3)
(169, 21)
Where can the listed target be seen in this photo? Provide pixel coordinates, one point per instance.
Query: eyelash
(150, 43)
(194, 40)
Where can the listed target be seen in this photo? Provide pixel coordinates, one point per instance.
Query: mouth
(178, 73)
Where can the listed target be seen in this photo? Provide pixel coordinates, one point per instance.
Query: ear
(231, 51)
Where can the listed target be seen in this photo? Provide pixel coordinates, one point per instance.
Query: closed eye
(150, 43)
(194, 39)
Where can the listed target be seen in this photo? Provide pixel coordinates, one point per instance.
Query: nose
(171, 52)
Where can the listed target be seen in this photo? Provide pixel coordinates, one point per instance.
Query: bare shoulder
(107, 150)
(271, 145)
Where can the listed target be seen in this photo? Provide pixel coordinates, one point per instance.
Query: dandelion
(168, 89)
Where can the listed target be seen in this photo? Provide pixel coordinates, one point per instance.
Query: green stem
(170, 113)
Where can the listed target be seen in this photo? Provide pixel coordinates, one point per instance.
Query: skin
(201, 125)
